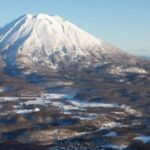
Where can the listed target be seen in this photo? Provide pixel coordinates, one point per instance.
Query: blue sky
(123, 23)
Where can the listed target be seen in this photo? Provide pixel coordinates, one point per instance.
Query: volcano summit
(50, 42)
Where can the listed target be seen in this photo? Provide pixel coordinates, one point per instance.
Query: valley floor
(75, 113)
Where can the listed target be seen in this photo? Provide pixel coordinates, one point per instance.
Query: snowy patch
(119, 113)
(19, 111)
(2, 89)
(25, 111)
(49, 99)
(111, 134)
(119, 70)
(37, 101)
(57, 96)
(117, 147)
(130, 110)
(16, 106)
(70, 107)
(105, 105)
(83, 104)
(58, 104)
(136, 70)
(121, 80)
(88, 116)
(5, 99)
(61, 83)
(110, 125)
(144, 139)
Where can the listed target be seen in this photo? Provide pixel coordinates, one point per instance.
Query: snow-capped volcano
(50, 41)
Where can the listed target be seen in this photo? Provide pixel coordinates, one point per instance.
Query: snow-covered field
(102, 115)
(65, 103)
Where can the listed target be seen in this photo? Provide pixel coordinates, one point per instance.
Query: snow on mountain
(51, 41)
